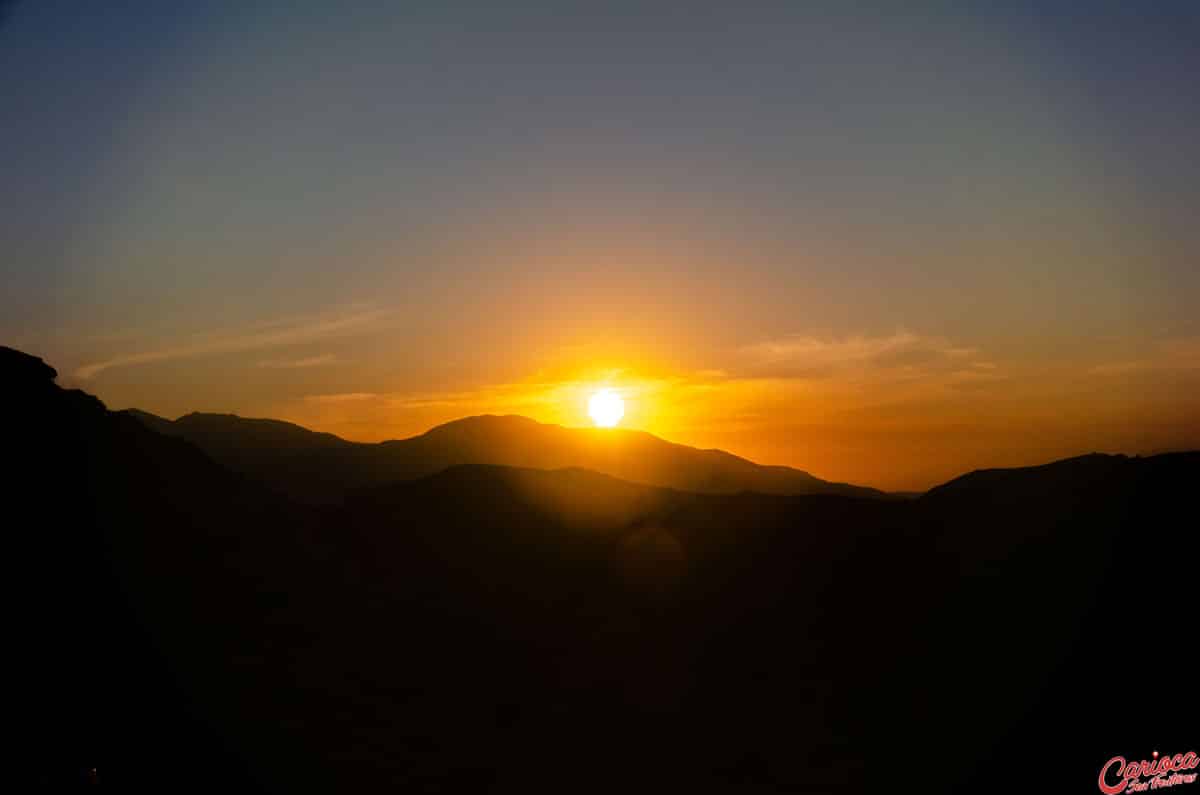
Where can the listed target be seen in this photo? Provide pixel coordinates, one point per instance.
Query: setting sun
(606, 408)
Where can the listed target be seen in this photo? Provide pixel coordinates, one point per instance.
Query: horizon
(883, 248)
(620, 429)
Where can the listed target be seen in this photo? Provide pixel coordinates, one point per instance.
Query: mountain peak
(488, 421)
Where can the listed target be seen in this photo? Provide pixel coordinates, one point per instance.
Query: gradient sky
(884, 247)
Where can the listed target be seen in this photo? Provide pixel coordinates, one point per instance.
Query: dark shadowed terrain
(181, 622)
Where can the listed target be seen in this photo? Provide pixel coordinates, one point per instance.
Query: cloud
(505, 397)
(1180, 354)
(900, 356)
(272, 334)
(799, 349)
(291, 364)
(342, 397)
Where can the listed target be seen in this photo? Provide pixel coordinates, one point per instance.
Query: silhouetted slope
(152, 421)
(322, 468)
(1071, 475)
(145, 575)
(1075, 581)
(489, 628)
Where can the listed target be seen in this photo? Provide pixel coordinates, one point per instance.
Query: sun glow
(606, 408)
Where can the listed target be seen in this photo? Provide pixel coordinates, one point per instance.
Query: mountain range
(321, 467)
(488, 628)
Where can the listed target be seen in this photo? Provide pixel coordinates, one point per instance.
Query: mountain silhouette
(500, 629)
(320, 467)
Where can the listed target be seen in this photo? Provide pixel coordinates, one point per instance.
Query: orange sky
(884, 247)
(900, 410)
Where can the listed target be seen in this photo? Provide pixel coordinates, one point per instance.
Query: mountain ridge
(732, 642)
(322, 467)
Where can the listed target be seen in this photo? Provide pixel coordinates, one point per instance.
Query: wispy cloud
(291, 364)
(901, 355)
(1178, 354)
(342, 397)
(259, 337)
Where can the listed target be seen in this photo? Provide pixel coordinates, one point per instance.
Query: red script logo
(1118, 775)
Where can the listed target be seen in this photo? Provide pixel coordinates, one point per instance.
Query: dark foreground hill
(320, 467)
(493, 629)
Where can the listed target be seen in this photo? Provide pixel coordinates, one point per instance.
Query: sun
(606, 408)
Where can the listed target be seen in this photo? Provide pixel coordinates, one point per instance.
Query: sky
(885, 246)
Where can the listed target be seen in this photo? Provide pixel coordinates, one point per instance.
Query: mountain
(320, 467)
(499, 629)
(116, 538)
